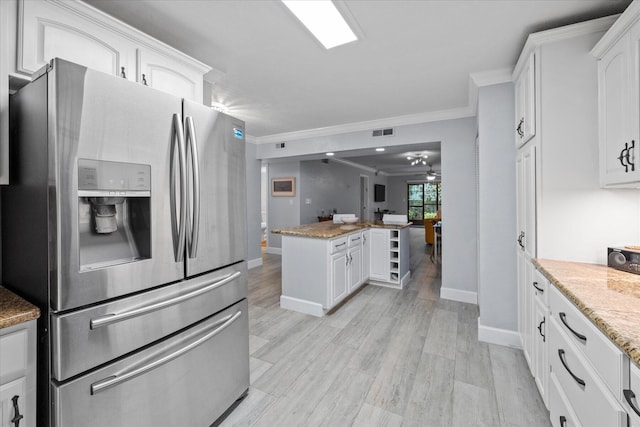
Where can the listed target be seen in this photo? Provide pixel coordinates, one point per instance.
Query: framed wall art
(283, 187)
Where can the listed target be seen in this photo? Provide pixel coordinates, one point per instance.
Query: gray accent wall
(497, 276)
(282, 212)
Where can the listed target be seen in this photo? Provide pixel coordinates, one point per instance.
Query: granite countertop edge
(329, 230)
(15, 310)
(604, 320)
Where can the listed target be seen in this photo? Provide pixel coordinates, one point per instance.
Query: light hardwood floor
(386, 358)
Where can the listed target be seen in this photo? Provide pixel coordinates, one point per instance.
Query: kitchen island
(323, 263)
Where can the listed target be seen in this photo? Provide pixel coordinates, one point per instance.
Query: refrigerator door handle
(178, 229)
(111, 318)
(127, 375)
(194, 218)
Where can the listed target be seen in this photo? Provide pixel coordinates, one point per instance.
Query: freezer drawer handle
(115, 380)
(194, 217)
(111, 318)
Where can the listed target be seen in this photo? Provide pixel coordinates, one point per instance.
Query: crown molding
(411, 119)
(562, 33)
(486, 78)
(626, 20)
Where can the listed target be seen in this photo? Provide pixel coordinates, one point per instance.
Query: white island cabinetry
(318, 273)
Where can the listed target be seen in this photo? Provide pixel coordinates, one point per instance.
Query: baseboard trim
(405, 280)
(253, 263)
(502, 337)
(458, 295)
(301, 306)
(274, 250)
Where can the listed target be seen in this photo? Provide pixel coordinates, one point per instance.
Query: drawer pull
(535, 285)
(341, 244)
(630, 397)
(564, 363)
(577, 334)
(563, 421)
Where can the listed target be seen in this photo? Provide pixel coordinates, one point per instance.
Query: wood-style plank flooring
(386, 358)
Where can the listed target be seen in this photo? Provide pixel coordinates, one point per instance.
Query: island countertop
(329, 230)
(608, 297)
(15, 310)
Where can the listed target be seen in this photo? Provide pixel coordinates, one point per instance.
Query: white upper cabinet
(619, 101)
(525, 120)
(47, 30)
(79, 33)
(164, 73)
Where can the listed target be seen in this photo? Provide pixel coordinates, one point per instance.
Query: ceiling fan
(431, 174)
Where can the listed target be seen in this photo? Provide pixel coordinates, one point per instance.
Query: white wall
(283, 212)
(576, 219)
(497, 275)
(457, 139)
(254, 233)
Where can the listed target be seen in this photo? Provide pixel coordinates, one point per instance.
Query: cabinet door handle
(630, 154)
(364, 239)
(577, 334)
(630, 397)
(563, 421)
(123, 74)
(16, 412)
(535, 285)
(544, 338)
(519, 128)
(144, 80)
(622, 157)
(564, 363)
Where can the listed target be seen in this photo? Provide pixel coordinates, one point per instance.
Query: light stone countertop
(329, 230)
(14, 309)
(609, 297)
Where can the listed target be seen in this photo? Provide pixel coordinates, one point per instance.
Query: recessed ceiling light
(322, 18)
(380, 149)
(218, 106)
(329, 154)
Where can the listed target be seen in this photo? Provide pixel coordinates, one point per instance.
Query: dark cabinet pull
(629, 154)
(144, 80)
(122, 73)
(563, 421)
(630, 397)
(520, 239)
(16, 412)
(544, 338)
(577, 334)
(622, 157)
(564, 363)
(535, 285)
(519, 128)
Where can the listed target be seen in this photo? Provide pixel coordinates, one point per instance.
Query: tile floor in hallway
(387, 357)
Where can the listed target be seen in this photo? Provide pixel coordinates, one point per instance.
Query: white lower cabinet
(338, 284)
(366, 254)
(560, 410)
(354, 266)
(18, 375)
(379, 254)
(631, 395)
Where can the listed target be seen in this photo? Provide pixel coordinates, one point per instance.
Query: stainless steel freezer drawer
(90, 337)
(187, 380)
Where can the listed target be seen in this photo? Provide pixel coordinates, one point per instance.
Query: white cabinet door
(525, 102)
(338, 276)
(366, 254)
(47, 31)
(355, 267)
(540, 354)
(7, 393)
(526, 198)
(615, 115)
(379, 254)
(170, 75)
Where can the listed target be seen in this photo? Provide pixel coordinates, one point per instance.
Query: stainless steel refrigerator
(125, 223)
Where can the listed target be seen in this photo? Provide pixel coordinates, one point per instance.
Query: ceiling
(413, 58)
